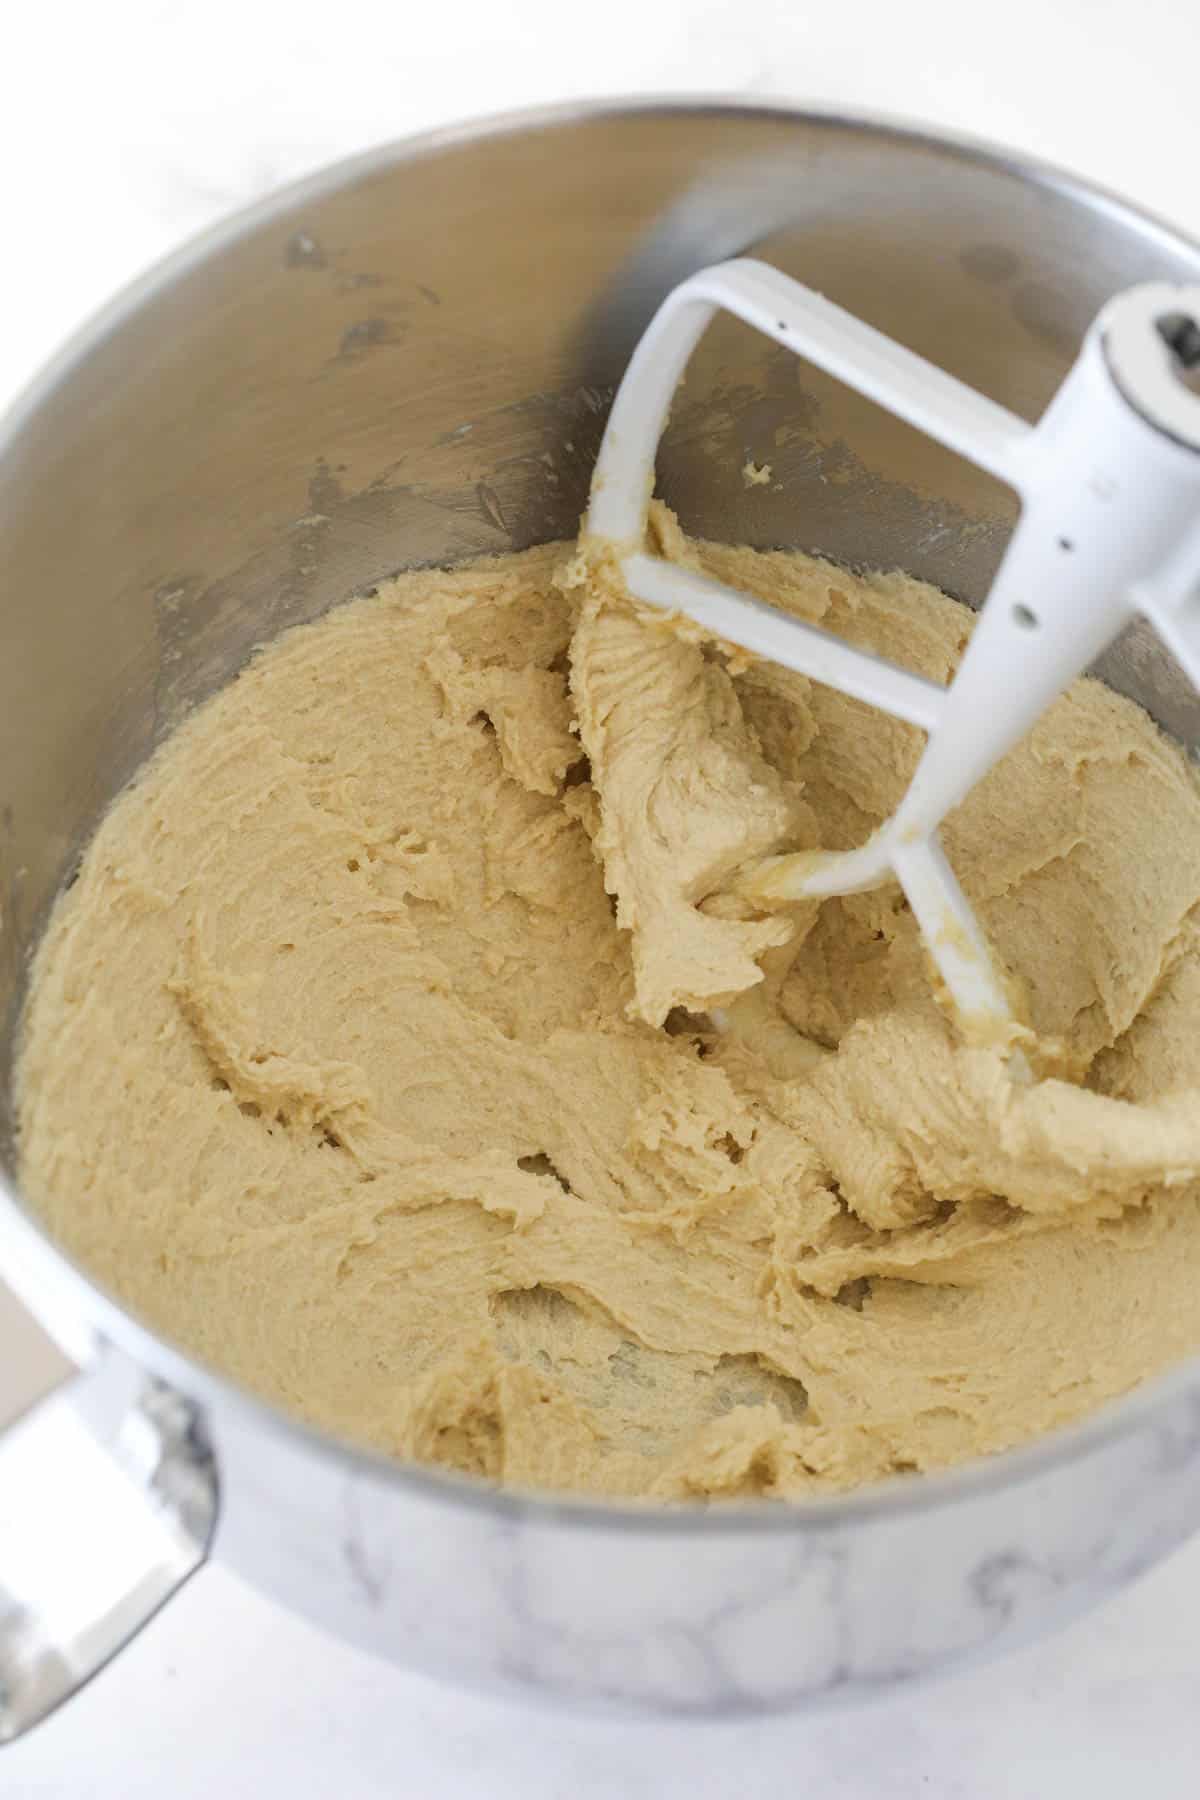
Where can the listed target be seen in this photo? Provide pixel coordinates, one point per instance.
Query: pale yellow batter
(344, 1070)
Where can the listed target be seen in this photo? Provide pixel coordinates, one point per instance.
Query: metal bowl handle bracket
(108, 1500)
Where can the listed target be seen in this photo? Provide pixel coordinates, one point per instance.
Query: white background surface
(128, 126)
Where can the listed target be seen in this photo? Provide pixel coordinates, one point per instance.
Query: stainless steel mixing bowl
(408, 360)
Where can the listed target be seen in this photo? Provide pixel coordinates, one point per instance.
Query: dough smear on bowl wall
(402, 1051)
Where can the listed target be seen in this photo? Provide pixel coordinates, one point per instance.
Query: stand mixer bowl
(408, 360)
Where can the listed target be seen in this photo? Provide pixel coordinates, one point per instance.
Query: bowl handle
(108, 1500)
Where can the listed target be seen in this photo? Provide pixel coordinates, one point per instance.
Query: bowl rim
(59, 1292)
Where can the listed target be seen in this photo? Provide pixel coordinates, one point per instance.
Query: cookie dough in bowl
(402, 1051)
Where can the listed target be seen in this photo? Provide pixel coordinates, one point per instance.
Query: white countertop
(127, 127)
